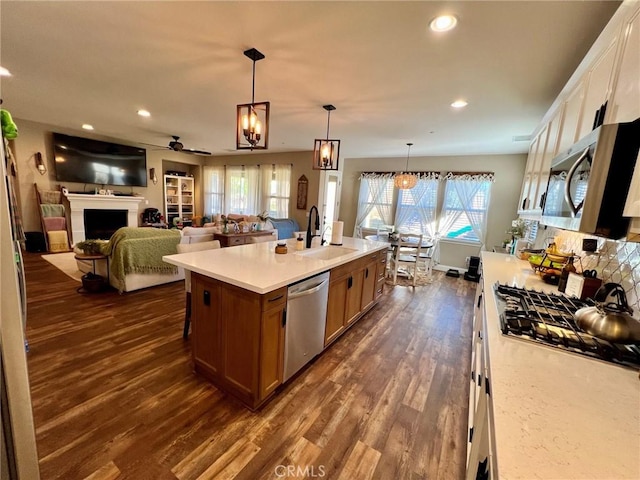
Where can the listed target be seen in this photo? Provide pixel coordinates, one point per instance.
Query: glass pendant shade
(404, 180)
(326, 151)
(252, 129)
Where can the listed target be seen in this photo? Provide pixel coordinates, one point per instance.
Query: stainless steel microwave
(589, 182)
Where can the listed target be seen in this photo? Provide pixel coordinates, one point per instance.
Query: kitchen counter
(256, 267)
(556, 415)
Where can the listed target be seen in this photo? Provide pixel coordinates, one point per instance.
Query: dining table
(426, 243)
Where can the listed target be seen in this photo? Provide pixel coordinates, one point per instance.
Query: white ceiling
(391, 78)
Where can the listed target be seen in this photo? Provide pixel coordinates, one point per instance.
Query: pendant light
(252, 132)
(404, 180)
(326, 152)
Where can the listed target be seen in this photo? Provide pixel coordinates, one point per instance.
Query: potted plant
(91, 247)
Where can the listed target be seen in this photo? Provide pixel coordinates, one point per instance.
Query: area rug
(65, 262)
(404, 281)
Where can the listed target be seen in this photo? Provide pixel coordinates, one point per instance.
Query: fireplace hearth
(101, 224)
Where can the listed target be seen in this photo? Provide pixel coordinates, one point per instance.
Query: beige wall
(300, 165)
(508, 169)
(36, 137)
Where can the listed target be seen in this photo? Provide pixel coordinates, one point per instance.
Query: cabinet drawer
(236, 241)
(274, 299)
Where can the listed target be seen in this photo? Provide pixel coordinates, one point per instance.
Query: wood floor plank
(114, 394)
(107, 472)
(361, 463)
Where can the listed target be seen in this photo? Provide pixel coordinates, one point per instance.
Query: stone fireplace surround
(79, 202)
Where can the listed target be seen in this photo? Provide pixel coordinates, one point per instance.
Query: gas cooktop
(548, 319)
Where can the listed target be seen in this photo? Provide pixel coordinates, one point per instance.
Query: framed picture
(303, 187)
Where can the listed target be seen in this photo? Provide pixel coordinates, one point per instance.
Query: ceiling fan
(177, 146)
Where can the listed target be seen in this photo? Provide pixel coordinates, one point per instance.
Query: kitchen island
(239, 306)
(548, 414)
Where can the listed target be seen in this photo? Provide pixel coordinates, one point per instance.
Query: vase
(225, 229)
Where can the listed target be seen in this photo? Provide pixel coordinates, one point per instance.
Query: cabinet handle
(366, 272)
(470, 434)
(524, 202)
(543, 198)
(487, 387)
(206, 297)
(275, 298)
(284, 317)
(479, 300)
(350, 282)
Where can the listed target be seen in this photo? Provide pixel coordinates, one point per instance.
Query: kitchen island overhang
(239, 317)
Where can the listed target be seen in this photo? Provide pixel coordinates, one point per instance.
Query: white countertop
(557, 415)
(256, 267)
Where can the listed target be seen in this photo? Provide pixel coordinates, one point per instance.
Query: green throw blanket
(139, 250)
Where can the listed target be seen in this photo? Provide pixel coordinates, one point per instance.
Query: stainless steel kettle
(610, 320)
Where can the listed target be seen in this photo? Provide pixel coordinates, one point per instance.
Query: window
(242, 189)
(247, 189)
(276, 188)
(213, 190)
(453, 206)
(464, 211)
(416, 212)
(375, 201)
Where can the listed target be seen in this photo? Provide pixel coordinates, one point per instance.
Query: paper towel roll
(336, 233)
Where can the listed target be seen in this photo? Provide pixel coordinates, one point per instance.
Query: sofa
(282, 228)
(135, 258)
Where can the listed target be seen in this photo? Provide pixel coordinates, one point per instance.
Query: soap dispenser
(300, 242)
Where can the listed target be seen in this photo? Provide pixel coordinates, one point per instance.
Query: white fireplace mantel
(79, 202)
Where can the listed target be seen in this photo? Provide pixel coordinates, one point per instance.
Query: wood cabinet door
(354, 295)
(625, 101)
(369, 284)
(336, 305)
(240, 313)
(597, 87)
(272, 335)
(206, 343)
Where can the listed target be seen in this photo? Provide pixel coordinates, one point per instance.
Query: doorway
(329, 198)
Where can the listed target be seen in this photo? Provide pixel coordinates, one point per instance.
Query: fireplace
(101, 224)
(80, 203)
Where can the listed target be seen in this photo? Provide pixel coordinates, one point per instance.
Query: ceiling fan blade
(197, 152)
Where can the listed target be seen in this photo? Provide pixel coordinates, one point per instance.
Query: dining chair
(406, 256)
(187, 248)
(426, 257)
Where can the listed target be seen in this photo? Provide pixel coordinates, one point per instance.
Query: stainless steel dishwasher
(306, 318)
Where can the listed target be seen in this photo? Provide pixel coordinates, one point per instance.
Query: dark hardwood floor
(114, 395)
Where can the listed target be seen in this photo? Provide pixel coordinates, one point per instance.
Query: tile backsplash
(615, 261)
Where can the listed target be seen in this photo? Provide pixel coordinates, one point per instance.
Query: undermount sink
(327, 253)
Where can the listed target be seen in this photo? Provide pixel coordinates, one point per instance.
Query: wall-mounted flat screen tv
(83, 160)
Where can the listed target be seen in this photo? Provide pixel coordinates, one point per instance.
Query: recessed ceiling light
(144, 113)
(443, 23)
(4, 72)
(86, 126)
(459, 104)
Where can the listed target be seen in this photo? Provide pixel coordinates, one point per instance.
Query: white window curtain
(242, 189)
(276, 189)
(375, 201)
(416, 212)
(466, 203)
(213, 190)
